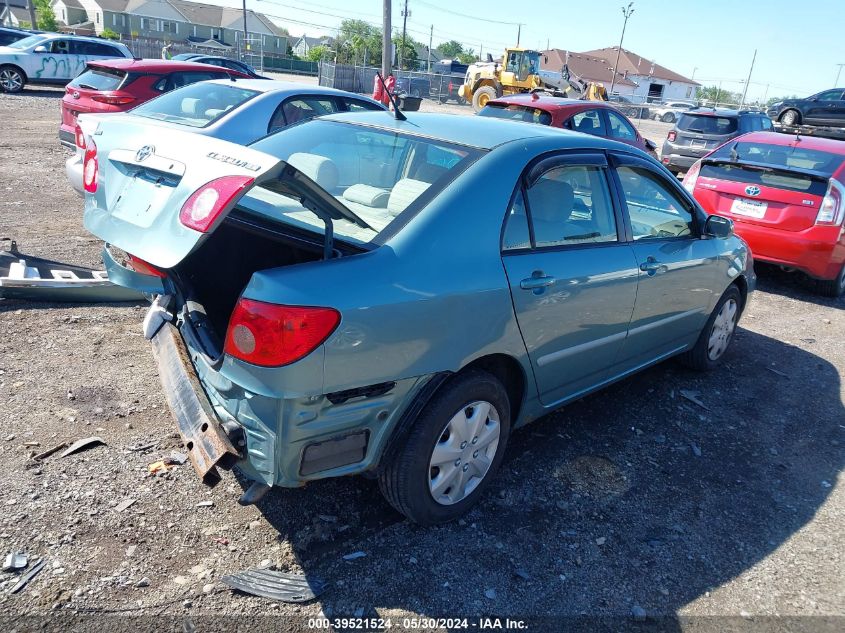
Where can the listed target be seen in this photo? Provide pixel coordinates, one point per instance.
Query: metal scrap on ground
(82, 444)
(692, 396)
(276, 585)
(24, 580)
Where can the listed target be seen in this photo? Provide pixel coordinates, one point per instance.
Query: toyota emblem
(752, 190)
(75, 94)
(144, 153)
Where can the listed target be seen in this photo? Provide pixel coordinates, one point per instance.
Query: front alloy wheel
(464, 453)
(722, 330)
(11, 80)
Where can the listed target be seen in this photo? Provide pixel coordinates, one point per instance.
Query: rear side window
(94, 49)
(99, 79)
(196, 105)
(301, 109)
(656, 210)
(516, 113)
(620, 128)
(588, 122)
(353, 105)
(707, 124)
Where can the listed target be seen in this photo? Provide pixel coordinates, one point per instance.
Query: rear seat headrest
(367, 195)
(404, 192)
(318, 168)
(189, 106)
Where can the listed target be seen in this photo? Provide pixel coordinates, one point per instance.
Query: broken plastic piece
(254, 493)
(15, 561)
(276, 585)
(157, 468)
(82, 444)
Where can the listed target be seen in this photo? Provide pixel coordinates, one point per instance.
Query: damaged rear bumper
(204, 436)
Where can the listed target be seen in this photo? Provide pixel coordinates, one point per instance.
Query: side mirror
(650, 145)
(40, 49)
(717, 226)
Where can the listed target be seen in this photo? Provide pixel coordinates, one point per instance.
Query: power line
(464, 15)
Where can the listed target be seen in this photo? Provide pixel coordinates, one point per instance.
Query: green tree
(407, 53)
(320, 53)
(718, 95)
(359, 41)
(468, 57)
(451, 49)
(45, 16)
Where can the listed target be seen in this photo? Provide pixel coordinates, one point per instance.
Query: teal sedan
(363, 295)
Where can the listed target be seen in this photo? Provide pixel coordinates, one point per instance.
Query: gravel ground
(636, 501)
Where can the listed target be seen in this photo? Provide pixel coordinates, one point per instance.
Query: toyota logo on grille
(752, 190)
(144, 153)
(75, 94)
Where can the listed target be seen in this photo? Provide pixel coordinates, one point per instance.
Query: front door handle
(536, 281)
(652, 266)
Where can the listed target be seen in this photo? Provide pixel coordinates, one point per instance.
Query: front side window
(830, 95)
(588, 122)
(32, 40)
(571, 205)
(656, 210)
(620, 128)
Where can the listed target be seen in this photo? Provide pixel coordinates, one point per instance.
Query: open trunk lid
(145, 176)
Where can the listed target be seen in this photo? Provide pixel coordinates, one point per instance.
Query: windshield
(516, 113)
(196, 105)
(99, 79)
(26, 42)
(707, 124)
(782, 159)
(378, 175)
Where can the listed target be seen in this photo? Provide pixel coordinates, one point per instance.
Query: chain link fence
(361, 79)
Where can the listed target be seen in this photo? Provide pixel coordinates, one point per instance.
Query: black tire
(481, 96)
(832, 287)
(12, 79)
(668, 118)
(699, 357)
(790, 117)
(405, 479)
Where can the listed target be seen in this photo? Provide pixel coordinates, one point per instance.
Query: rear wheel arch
(509, 372)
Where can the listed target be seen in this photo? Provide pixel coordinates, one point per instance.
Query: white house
(653, 81)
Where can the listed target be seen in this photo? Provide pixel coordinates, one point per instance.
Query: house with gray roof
(177, 21)
(304, 44)
(13, 12)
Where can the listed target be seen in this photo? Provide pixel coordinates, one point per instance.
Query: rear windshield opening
(197, 105)
(99, 79)
(516, 113)
(376, 175)
(707, 124)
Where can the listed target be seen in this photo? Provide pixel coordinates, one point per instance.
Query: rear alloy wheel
(668, 118)
(11, 79)
(832, 287)
(790, 117)
(717, 334)
(452, 452)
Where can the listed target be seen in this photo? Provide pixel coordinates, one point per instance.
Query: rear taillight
(691, 177)
(90, 168)
(207, 203)
(79, 137)
(273, 335)
(144, 268)
(112, 100)
(672, 136)
(832, 208)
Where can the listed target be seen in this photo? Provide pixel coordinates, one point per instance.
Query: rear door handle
(536, 281)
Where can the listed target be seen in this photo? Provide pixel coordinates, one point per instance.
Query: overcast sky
(798, 44)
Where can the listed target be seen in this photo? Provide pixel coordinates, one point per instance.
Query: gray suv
(701, 130)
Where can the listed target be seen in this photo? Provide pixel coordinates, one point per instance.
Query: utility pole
(386, 55)
(32, 18)
(430, 42)
(838, 72)
(8, 12)
(518, 33)
(404, 28)
(245, 32)
(693, 73)
(748, 81)
(627, 13)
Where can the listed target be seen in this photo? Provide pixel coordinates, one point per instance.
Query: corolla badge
(752, 190)
(144, 153)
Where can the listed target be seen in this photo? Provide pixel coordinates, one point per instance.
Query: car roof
(84, 38)
(723, 112)
(152, 65)
(829, 145)
(550, 103)
(473, 131)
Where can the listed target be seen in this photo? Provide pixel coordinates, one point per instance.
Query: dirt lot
(632, 501)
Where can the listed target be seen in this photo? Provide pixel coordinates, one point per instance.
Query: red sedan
(592, 117)
(786, 197)
(117, 85)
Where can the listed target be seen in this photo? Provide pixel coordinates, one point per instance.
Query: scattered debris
(696, 449)
(176, 459)
(521, 573)
(354, 555)
(328, 518)
(208, 588)
(31, 444)
(120, 507)
(141, 447)
(83, 444)
(638, 613)
(205, 504)
(779, 373)
(15, 561)
(490, 593)
(157, 468)
(144, 582)
(32, 573)
(276, 585)
(601, 540)
(50, 451)
(692, 396)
